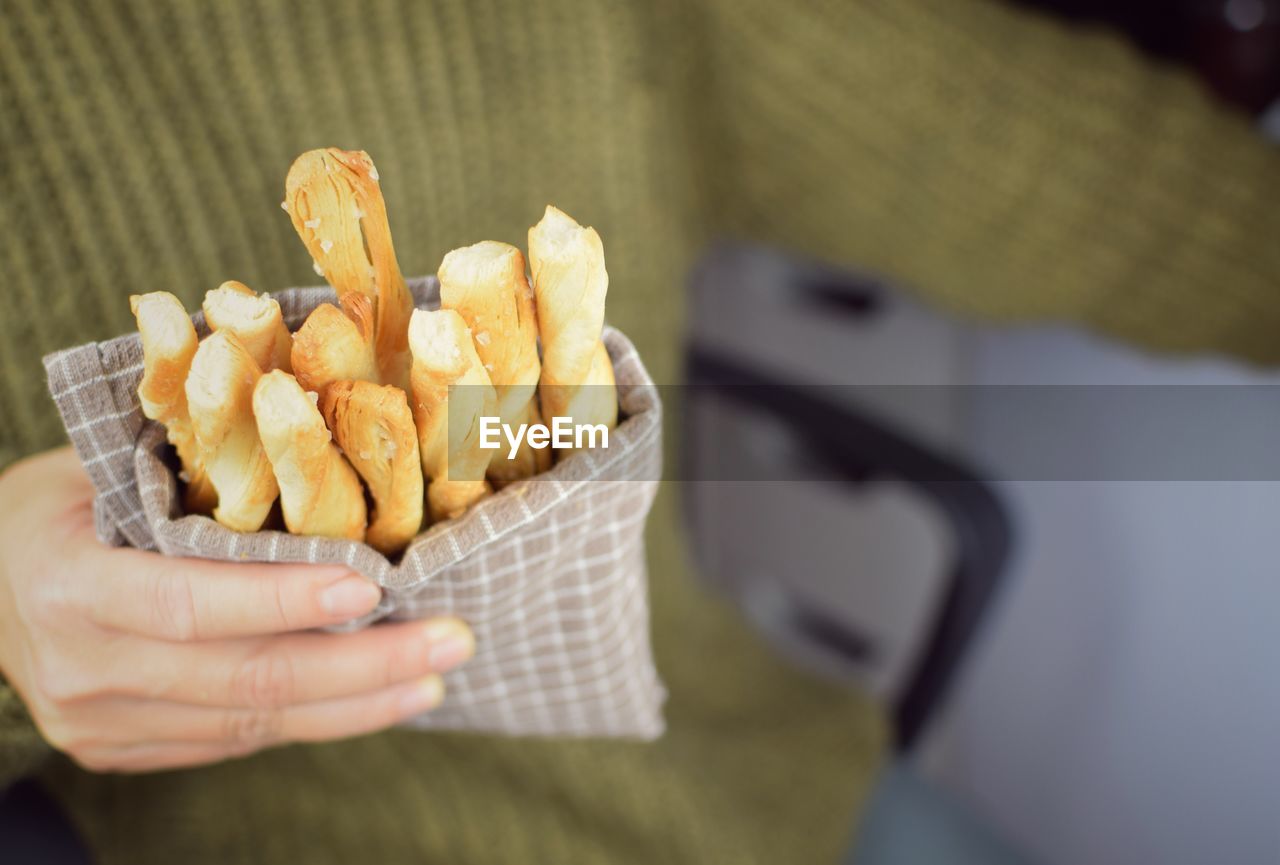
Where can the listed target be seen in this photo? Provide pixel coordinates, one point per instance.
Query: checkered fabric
(550, 572)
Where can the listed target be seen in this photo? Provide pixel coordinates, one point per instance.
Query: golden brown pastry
(374, 427)
(168, 345)
(220, 398)
(336, 344)
(570, 283)
(337, 208)
(320, 493)
(597, 399)
(486, 285)
(451, 392)
(254, 319)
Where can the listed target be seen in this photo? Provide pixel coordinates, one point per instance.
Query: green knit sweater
(998, 162)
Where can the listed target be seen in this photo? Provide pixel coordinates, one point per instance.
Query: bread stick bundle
(451, 392)
(336, 344)
(485, 283)
(168, 346)
(254, 319)
(374, 427)
(570, 284)
(337, 208)
(220, 398)
(320, 493)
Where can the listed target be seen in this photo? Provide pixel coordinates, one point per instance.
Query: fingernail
(423, 696)
(353, 596)
(451, 642)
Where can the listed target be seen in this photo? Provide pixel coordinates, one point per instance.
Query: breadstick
(374, 427)
(486, 285)
(570, 283)
(336, 206)
(168, 345)
(320, 493)
(598, 397)
(451, 392)
(254, 319)
(220, 398)
(336, 345)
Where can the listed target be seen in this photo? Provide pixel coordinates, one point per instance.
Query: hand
(132, 661)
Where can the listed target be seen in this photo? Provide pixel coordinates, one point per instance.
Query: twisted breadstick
(374, 427)
(337, 209)
(168, 345)
(486, 285)
(451, 392)
(220, 398)
(597, 399)
(254, 319)
(570, 282)
(320, 493)
(336, 345)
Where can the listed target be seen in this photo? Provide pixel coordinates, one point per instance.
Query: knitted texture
(21, 747)
(993, 160)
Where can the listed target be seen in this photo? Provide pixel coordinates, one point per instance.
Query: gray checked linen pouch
(549, 572)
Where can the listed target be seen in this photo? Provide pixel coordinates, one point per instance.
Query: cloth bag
(549, 572)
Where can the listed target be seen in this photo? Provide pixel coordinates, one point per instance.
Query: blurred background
(1114, 697)
(1231, 44)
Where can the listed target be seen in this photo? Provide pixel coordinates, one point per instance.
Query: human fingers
(184, 600)
(156, 757)
(291, 669)
(125, 721)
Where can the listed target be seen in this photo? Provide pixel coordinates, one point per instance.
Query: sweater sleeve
(1002, 162)
(21, 746)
